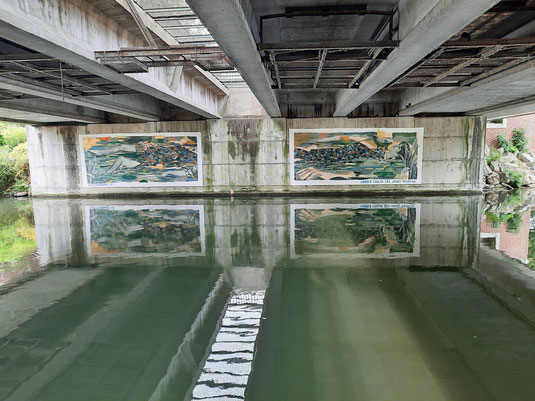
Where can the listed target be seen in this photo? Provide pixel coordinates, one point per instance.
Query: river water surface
(267, 299)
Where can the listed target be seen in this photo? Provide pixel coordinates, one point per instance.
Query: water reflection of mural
(149, 230)
(142, 159)
(356, 156)
(362, 230)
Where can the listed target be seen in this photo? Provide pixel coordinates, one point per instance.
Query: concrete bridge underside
(50, 70)
(95, 61)
(386, 58)
(253, 71)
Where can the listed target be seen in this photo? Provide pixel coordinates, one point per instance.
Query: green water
(266, 299)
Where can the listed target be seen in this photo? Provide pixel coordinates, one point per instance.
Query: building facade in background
(506, 126)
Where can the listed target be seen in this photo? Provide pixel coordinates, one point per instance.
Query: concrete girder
(46, 110)
(168, 39)
(524, 107)
(228, 23)
(136, 106)
(39, 35)
(442, 21)
(492, 93)
(149, 22)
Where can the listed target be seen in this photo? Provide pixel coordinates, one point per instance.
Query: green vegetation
(14, 167)
(531, 250)
(494, 155)
(514, 198)
(17, 232)
(512, 221)
(515, 178)
(531, 247)
(519, 140)
(506, 145)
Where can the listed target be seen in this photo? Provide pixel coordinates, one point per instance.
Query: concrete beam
(135, 106)
(495, 92)
(168, 39)
(227, 22)
(26, 24)
(149, 22)
(442, 21)
(524, 31)
(45, 110)
(527, 107)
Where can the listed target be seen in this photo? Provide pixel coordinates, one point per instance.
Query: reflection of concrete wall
(252, 155)
(257, 234)
(496, 345)
(52, 230)
(62, 234)
(98, 318)
(448, 236)
(514, 244)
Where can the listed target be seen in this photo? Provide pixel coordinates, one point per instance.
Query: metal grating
(53, 74)
(327, 66)
(177, 18)
(139, 59)
(330, 64)
(464, 62)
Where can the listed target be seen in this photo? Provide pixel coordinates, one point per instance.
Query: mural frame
(419, 139)
(87, 230)
(198, 183)
(338, 255)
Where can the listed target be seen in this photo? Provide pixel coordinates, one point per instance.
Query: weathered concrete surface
(49, 111)
(227, 22)
(252, 155)
(491, 94)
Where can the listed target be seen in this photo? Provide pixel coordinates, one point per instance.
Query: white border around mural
(338, 255)
(419, 140)
(198, 183)
(87, 227)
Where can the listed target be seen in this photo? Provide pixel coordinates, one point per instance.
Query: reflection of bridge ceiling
(114, 334)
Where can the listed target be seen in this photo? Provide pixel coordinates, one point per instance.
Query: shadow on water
(268, 299)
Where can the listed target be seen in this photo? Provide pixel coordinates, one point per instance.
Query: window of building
(498, 123)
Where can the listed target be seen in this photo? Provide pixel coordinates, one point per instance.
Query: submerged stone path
(227, 368)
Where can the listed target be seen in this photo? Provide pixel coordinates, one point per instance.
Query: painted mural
(145, 230)
(132, 159)
(360, 230)
(356, 156)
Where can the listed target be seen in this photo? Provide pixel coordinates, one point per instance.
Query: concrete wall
(256, 233)
(252, 155)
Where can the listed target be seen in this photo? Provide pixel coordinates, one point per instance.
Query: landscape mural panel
(142, 159)
(357, 230)
(145, 230)
(356, 156)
